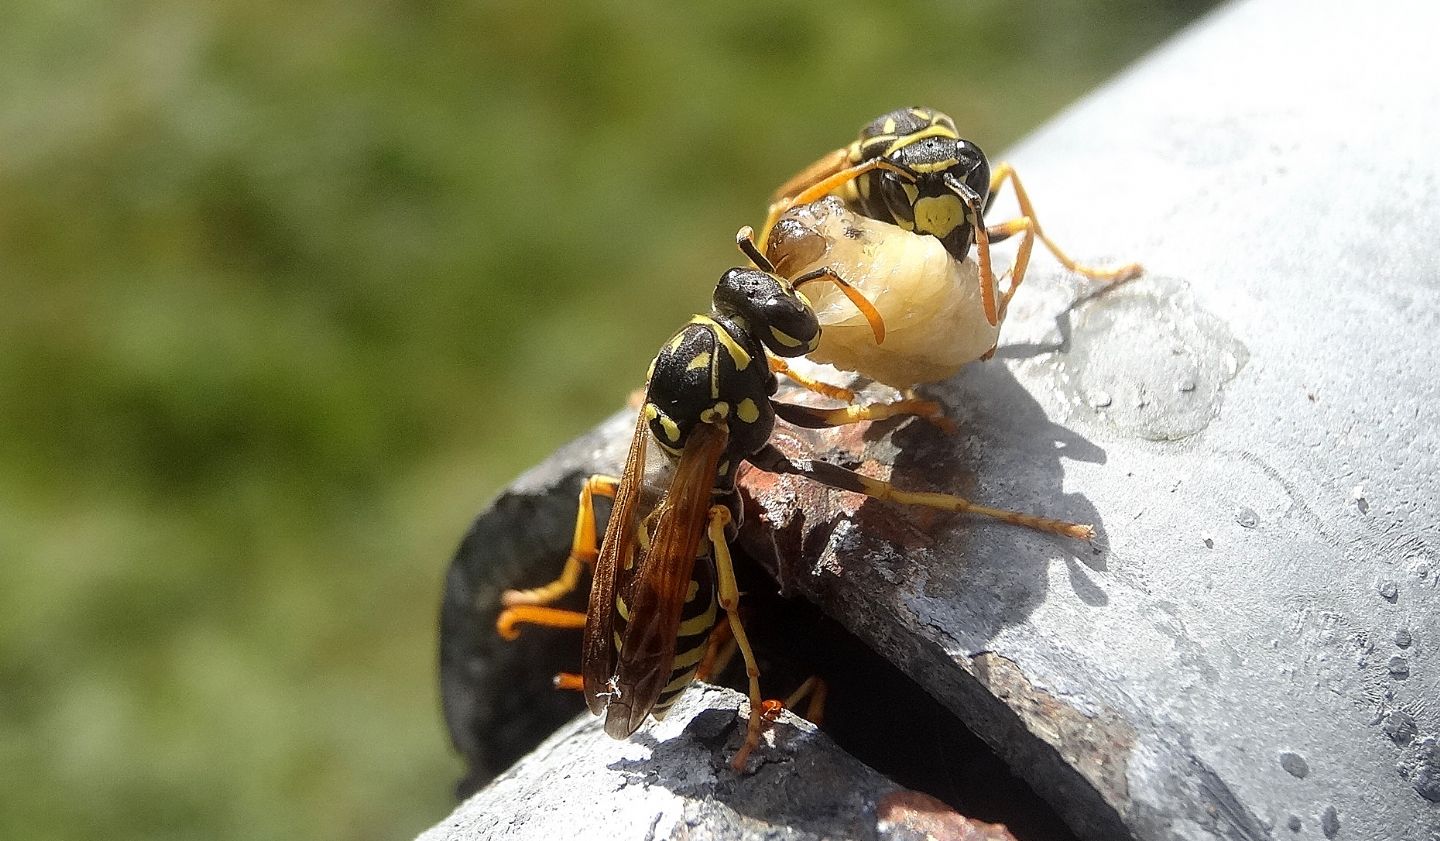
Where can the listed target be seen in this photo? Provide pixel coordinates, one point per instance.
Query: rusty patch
(1097, 746)
(904, 815)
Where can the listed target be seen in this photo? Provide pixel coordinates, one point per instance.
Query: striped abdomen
(697, 619)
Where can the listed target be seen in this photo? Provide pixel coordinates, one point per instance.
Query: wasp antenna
(862, 303)
(745, 239)
(968, 196)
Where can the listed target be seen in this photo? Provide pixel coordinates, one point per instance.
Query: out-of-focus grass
(290, 289)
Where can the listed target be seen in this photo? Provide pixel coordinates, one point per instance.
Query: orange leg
(584, 548)
(530, 614)
(1030, 224)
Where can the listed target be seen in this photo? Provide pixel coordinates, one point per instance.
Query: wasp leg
(817, 690)
(1030, 224)
(719, 651)
(550, 617)
(771, 459)
(828, 165)
(824, 187)
(811, 417)
(584, 548)
(729, 597)
(569, 682)
(834, 392)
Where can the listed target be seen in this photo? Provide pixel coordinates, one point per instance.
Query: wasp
(662, 574)
(910, 169)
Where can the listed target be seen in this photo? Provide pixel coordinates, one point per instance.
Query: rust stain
(1098, 746)
(904, 815)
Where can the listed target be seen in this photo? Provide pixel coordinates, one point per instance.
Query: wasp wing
(656, 596)
(617, 551)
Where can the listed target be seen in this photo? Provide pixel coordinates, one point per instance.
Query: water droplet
(1422, 569)
(1399, 667)
(1100, 399)
(1402, 637)
(1388, 591)
(1330, 822)
(1294, 765)
(1209, 541)
(1186, 386)
(1294, 823)
(1247, 517)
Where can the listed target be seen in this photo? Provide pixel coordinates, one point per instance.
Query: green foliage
(291, 289)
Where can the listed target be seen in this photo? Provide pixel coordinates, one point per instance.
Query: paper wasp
(663, 571)
(911, 169)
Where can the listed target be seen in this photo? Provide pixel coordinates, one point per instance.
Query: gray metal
(1252, 651)
(672, 780)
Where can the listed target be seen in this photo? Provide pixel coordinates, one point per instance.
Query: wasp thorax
(774, 312)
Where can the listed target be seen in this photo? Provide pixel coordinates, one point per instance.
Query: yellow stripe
(622, 608)
(691, 657)
(700, 360)
(679, 683)
(737, 353)
(699, 625)
(928, 131)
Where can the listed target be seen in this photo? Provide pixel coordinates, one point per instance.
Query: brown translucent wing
(813, 174)
(597, 648)
(657, 594)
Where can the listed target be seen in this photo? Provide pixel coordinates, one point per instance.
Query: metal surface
(672, 779)
(1252, 651)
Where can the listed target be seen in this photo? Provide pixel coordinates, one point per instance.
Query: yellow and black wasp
(912, 168)
(662, 572)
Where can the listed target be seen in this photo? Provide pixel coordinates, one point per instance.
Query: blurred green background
(289, 290)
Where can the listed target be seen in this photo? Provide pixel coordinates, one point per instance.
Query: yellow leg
(529, 614)
(729, 598)
(771, 459)
(1027, 211)
(584, 548)
(719, 650)
(809, 416)
(817, 690)
(834, 392)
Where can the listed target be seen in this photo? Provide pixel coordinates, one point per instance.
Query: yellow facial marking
(912, 191)
(700, 360)
(747, 411)
(784, 338)
(936, 166)
(938, 215)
